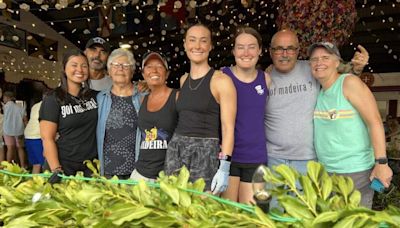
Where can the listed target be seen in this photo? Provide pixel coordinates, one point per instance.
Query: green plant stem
(303, 200)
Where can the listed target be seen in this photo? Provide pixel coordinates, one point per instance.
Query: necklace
(79, 101)
(198, 85)
(123, 93)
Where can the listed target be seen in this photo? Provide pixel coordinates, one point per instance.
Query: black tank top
(156, 129)
(199, 113)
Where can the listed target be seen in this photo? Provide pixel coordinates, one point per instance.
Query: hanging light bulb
(261, 191)
(3, 5)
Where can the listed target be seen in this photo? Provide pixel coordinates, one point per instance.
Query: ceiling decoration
(315, 21)
(159, 25)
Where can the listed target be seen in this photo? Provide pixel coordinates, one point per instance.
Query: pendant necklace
(198, 85)
(79, 101)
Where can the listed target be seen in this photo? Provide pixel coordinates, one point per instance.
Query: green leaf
(90, 165)
(171, 192)
(345, 186)
(199, 185)
(327, 185)
(361, 221)
(314, 170)
(23, 221)
(288, 173)
(184, 199)
(263, 217)
(383, 216)
(145, 194)
(89, 194)
(183, 177)
(103, 223)
(309, 192)
(128, 213)
(346, 222)
(97, 163)
(272, 178)
(329, 216)
(159, 221)
(294, 207)
(355, 198)
(7, 194)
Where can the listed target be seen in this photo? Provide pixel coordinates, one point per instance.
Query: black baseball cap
(99, 41)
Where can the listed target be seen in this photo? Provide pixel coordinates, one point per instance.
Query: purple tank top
(250, 141)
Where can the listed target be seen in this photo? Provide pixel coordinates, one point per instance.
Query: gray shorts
(361, 183)
(199, 155)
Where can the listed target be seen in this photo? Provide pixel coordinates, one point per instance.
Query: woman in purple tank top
(252, 90)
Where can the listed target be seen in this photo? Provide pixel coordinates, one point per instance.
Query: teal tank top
(341, 137)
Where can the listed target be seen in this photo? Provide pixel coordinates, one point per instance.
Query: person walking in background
(118, 135)
(14, 121)
(251, 84)
(348, 132)
(204, 136)
(157, 118)
(33, 142)
(71, 111)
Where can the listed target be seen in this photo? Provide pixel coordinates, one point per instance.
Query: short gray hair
(119, 53)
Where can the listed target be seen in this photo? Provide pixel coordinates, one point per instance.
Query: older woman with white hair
(348, 132)
(118, 137)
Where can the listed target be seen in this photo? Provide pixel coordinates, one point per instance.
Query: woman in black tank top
(206, 106)
(157, 118)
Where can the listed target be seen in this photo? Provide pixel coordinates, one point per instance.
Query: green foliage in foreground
(77, 203)
(326, 202)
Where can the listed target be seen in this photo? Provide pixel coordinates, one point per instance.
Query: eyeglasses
(125, 66)
(289, 50)
(323, 59)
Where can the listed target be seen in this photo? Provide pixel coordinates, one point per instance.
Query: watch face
(382, 160)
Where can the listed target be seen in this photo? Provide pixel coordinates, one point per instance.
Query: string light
(260, 15)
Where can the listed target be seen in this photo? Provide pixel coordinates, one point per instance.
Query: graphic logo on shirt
(151, 135)
(333, 114)
(259, 89)
(154, 139)
(69, 109)
(292, 88)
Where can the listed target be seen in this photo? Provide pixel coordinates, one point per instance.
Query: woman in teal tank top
(348, 132)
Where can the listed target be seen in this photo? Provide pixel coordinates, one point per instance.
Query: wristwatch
(382, 160)
(222, 156)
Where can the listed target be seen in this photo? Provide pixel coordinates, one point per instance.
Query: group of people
(18, 134)
(221, 124)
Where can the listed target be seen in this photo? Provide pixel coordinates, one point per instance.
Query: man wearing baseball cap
(97, 50)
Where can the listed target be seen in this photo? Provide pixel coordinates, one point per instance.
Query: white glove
(220, 180)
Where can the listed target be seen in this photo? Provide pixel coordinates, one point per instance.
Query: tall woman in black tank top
(206, 106)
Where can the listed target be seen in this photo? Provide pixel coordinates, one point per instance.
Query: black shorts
(243, 170)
